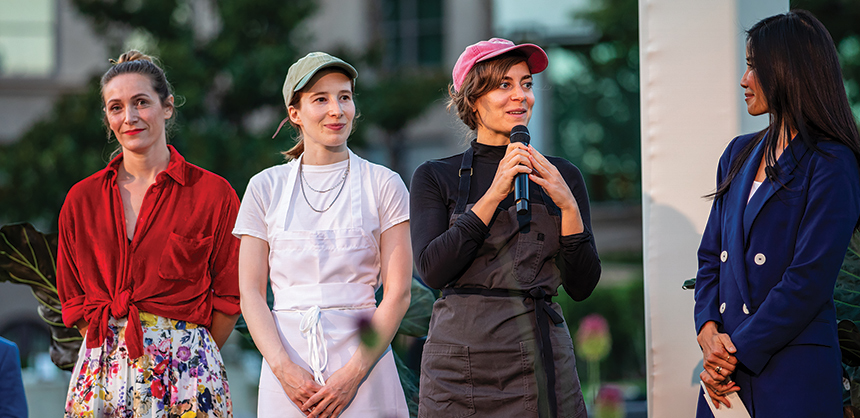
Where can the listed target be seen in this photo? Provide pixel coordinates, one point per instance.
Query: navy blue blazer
(767, 271)
(13, 403)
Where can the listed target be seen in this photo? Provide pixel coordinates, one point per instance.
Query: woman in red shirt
(147, 268)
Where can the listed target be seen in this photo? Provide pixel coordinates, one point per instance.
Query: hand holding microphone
(546, 175)
(520, 133)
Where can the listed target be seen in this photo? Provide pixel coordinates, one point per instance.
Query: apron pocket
(567, 388)
(528, 257)
(446, 382)
(185, 258)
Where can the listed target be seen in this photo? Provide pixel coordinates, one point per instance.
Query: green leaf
(847, 292)
(689, 284)
(416, 322)
(846, 296)
(849, 342)
(28, 257)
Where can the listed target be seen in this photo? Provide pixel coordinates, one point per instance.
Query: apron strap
(317, 351)
(465, 174)
(543, 314)
(354, 166)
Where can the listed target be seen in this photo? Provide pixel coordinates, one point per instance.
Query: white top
(755, 186)
(324, 269)
(273, 204)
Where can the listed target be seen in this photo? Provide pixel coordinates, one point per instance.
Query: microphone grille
(520, 133)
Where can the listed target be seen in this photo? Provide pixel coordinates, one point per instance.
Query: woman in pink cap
(498, 345)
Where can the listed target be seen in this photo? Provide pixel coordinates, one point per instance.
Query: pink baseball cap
(535, 57)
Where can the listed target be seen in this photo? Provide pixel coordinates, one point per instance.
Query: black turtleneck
(442, 253)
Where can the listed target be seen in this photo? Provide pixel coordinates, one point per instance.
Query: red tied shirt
(181, 263)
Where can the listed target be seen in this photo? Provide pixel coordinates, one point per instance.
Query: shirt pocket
(529, 255)
(185, 258)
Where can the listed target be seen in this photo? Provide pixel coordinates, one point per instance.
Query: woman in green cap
(328, 228)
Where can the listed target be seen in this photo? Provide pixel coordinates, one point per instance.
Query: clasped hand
(719, 363)
(324, 401)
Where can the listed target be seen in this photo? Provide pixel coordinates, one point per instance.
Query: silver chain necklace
(342, 178)
(342, 186)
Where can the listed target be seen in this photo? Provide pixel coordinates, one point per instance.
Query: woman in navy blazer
(787, 201)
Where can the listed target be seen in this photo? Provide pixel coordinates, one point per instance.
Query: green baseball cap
(304, 69)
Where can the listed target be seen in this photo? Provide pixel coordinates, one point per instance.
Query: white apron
(320, 300)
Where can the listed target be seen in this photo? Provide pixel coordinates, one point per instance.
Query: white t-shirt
(388, 204)
(325, 260)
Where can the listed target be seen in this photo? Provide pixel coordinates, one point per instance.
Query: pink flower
(592, 338)
(366, 333)
(609, 402)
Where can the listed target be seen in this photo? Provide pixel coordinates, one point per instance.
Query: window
(412, 30)
(27, 38)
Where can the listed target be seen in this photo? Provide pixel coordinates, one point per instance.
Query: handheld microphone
(521, 183)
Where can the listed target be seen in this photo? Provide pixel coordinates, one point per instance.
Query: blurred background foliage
(841, 17)
(595, 102)
(623, 307)
(228, 76)
(222, 84)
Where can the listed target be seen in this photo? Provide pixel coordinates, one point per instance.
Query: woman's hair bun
(132, 55)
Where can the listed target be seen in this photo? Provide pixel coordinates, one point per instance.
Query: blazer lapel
(736, 204)
(787, 163)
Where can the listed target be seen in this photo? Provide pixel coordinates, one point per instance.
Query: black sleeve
(441, 253)
(578, 262)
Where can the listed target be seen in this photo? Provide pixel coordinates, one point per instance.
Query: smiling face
(508, 105)
(135, 114)
(325, 112)
(753, 94)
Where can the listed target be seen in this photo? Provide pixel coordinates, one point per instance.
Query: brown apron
(498, 345)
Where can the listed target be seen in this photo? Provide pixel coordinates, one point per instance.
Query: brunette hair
(299, 148)
(484, 77)
(796, 64)
(136, 62)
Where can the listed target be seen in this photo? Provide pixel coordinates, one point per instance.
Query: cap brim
(343, 65)
(536, 58)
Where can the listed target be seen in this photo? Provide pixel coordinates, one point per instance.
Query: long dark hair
(795, 61)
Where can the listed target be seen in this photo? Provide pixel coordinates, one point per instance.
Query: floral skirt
(180, 374)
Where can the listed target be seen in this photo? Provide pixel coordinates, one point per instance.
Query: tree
(840, 17)
(596, 103)
(227, 71)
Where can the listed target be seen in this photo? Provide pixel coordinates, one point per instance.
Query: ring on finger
(719, 369)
